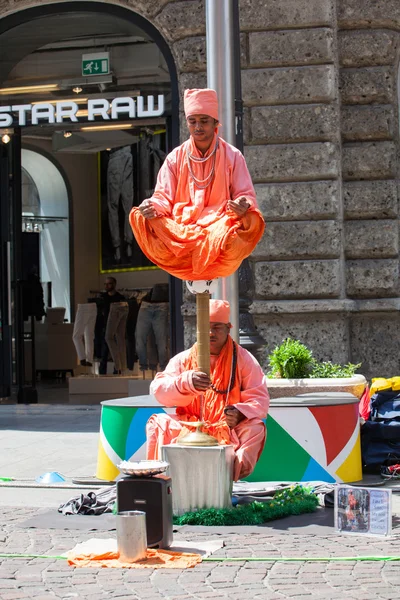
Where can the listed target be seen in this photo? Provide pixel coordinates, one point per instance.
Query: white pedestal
(201, 476)
(96, 389)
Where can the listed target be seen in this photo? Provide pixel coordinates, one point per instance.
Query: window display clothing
(120, 186)
(153, 316)
(131, 356)
(106, 301)
(83, 334)
(32, 298)
(116, 333)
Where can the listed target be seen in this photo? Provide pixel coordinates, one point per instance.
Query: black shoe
(85, 363)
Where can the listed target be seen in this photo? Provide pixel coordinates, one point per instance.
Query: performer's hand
(239, 206)
(233, 416)
(201, 381)
(147, 209)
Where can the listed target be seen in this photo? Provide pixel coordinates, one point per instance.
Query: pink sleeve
(241, 184)
(165, 190)
(254, 395)
(173, 387)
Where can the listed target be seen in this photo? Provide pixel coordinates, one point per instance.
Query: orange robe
(194, 235)
(174, 388)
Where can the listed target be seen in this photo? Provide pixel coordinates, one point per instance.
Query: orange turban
(219, 311)
(201, 102)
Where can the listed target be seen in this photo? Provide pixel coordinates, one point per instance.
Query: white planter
(286, 388)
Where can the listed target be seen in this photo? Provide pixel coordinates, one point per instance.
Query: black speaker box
(152, 495)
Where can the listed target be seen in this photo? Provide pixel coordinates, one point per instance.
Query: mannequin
(83, 335)
(153, 318)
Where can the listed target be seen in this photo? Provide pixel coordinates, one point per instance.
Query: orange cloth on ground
(195, 236)
(156, 559)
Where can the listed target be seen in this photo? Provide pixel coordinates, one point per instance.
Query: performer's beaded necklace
(202, 184)
(233, 374)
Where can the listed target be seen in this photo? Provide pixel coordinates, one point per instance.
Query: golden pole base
(197, 438)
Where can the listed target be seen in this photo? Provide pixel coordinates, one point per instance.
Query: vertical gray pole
(220, 77)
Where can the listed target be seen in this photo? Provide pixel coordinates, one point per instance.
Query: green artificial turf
(293, 501)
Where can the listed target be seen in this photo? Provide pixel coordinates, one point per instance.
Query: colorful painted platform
(122, 432)
(311, 437)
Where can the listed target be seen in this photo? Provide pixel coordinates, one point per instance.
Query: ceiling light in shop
(77, 89)
(106, 127)
(67, 134)
(55, 100)
(26, 89)
(5, 138)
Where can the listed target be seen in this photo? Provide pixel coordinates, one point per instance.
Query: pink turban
(219, 311)
(201, 102)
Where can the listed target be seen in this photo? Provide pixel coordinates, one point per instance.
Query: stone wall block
(374, 343)
(369, 13)
(375, 160)
(295, 162)
(364, 86)
(367, 123)
(191, 54)
(281, 14)
(290, 240)
(298, 201)
(290, 47)
(325, 335)
(297, 279)
(150, 8)
(243, 51)
(371, 239)
(300, 123)
(190, 81)
(182, 19)
(370, 199)
(246, 126)
(288, 85)
(372, 278)
(367, 48)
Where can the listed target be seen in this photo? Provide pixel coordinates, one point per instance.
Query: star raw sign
(67, 110)
(96, 64)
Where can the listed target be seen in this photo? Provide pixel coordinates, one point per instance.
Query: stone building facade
(319, 80)
(320, 90)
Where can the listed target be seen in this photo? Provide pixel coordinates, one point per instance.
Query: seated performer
(236, 398)
(202, 219)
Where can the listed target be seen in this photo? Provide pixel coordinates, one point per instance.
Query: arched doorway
(45, 210)
(44, 64)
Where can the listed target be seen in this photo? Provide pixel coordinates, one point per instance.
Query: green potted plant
(293, 371)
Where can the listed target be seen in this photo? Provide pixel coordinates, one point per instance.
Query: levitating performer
(202, 219)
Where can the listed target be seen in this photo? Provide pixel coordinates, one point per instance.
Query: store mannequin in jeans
(109, 297)
(153, 317)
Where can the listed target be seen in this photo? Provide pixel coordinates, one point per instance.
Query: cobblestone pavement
(47, 578)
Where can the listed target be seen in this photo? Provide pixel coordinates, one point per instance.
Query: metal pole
(221, 78)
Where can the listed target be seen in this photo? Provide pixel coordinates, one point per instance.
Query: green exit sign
(96, 64)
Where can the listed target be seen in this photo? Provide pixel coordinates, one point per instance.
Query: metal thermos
(131, 535)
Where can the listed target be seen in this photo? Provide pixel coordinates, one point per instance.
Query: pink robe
(173, 387)
(196, 236)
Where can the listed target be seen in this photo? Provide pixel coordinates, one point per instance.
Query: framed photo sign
(363, 510)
